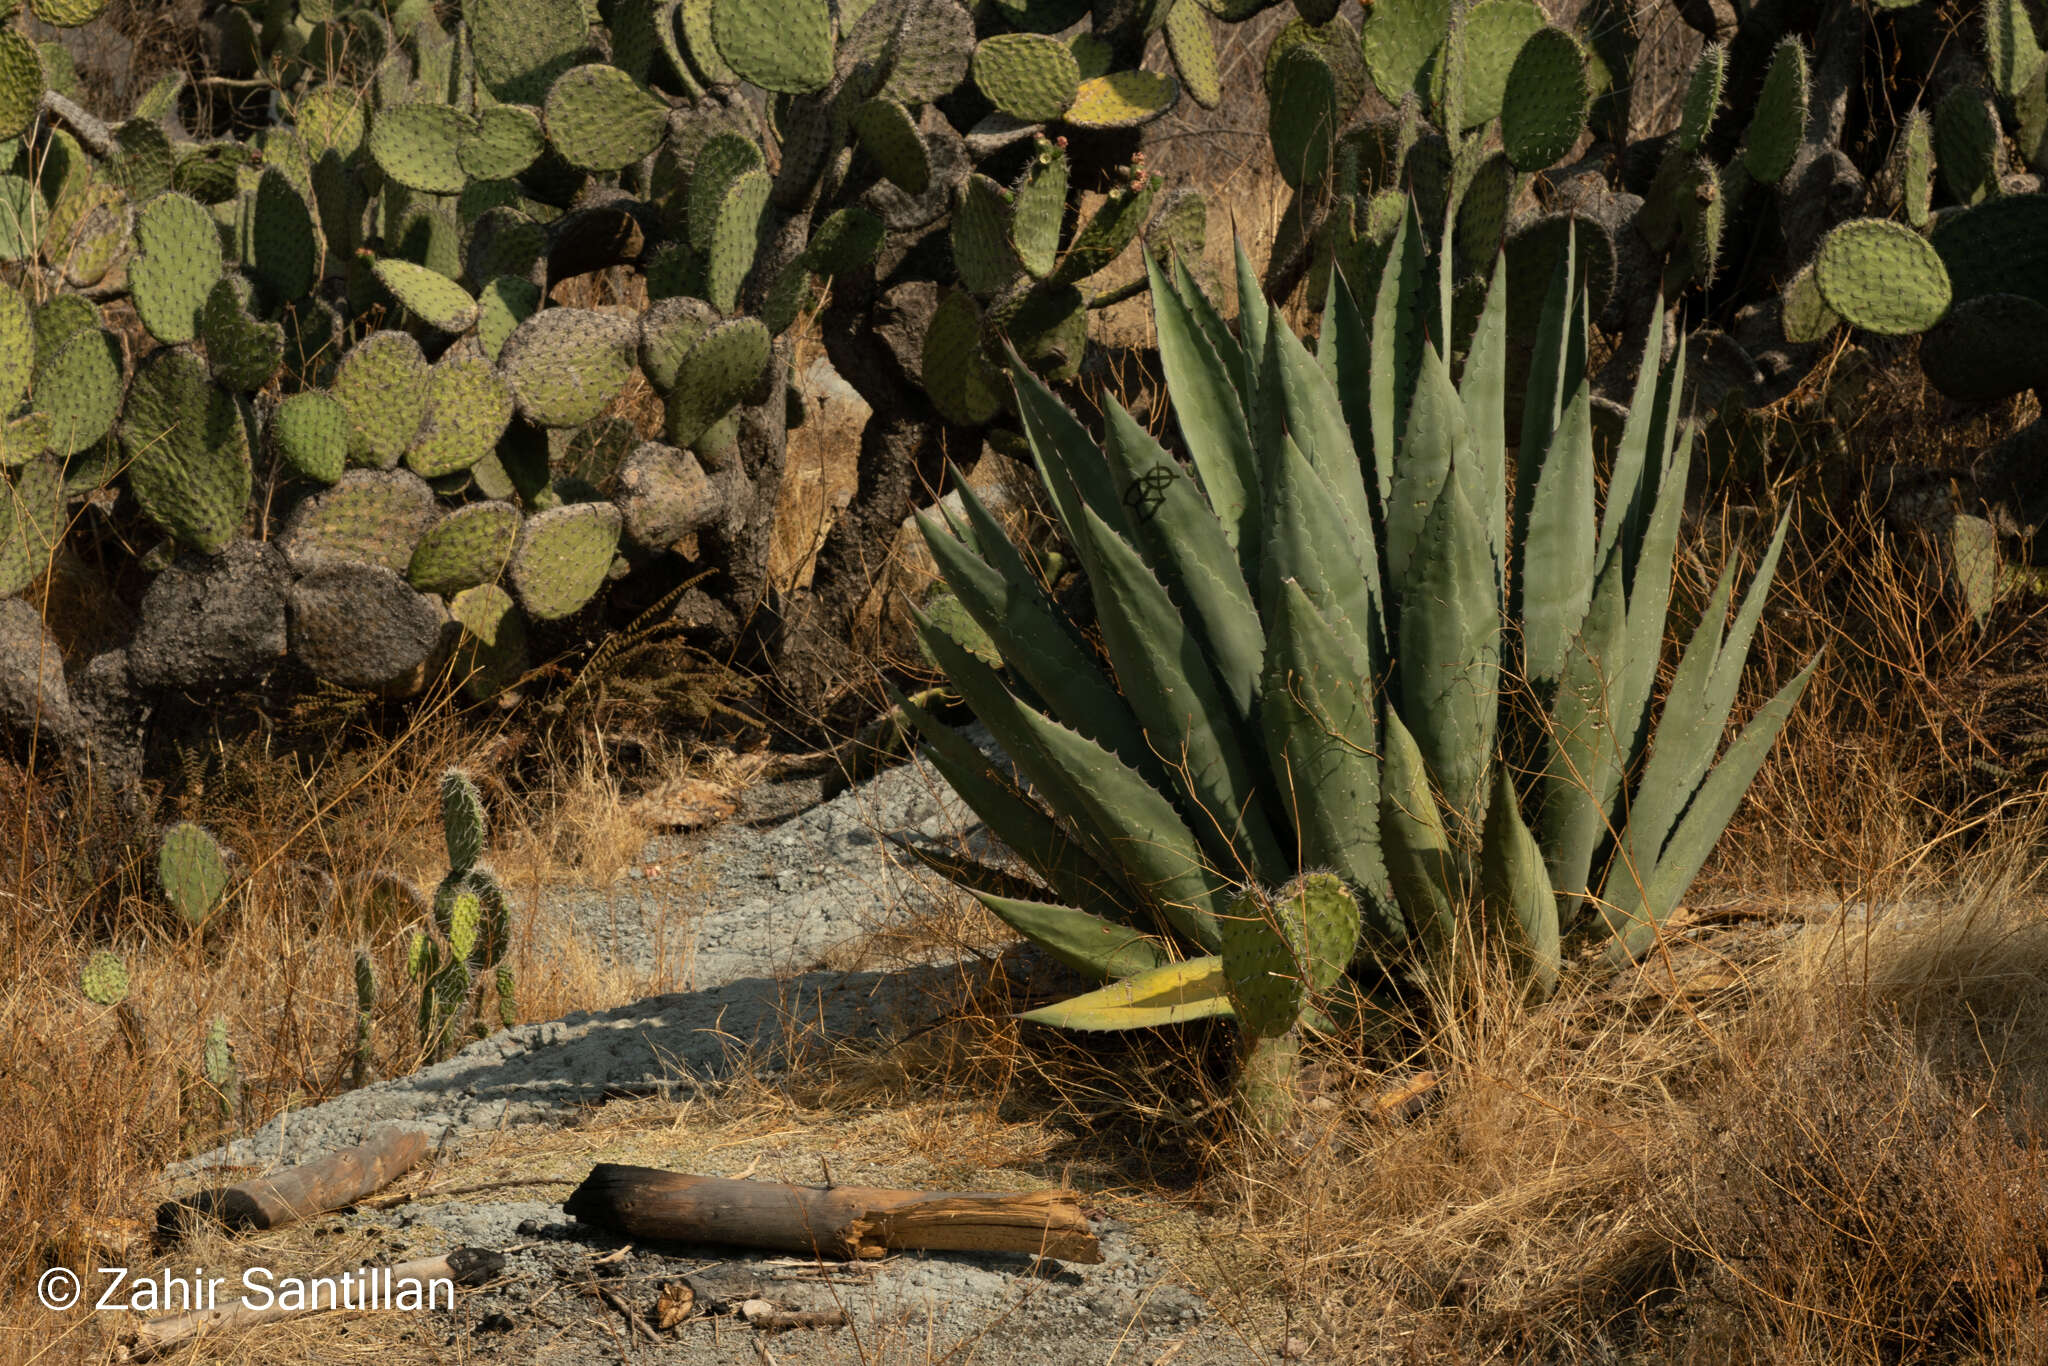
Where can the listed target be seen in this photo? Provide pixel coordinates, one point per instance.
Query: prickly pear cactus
(192, 871)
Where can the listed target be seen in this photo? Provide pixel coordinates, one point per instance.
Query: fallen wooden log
(285, 1197)
(408, 1285)
(858, 1222)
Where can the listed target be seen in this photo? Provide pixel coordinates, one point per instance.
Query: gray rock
(32, 689)
(213, 622)
(361, 626)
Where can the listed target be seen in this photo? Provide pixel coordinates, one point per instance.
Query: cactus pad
(562, 556)
(31, 522)
(566, 364)
(1987, 348)
(469, 546)
(1543, 109)
(1702, 103)
(1494, 31)
(420, 146)
(1803, 314)
(1192, 46)
(784, 46)
(1122, 99)
(242, 352)
(1778, 124)
(1029, 76)
(428, 295)
(468, 408)
(21, 83)
(278, 243)
(382, 382)
(720, 369)
(601, 119)
(668, 329)
(77, 386)
(1114, 225)
(17, 348)
(521, 46)
(1398, 41)
(1968, 143)
(1882, 277)
(104, 979)
(1302, 116)
(178, 262)
(462, 820)
(982, 253)
(188, 451)
(193, 874)
(331, 118)
(962, 384)
(504, 303)
(506, 140)
(889, 135)
(371, 516)
(932, 47)
(493, 652)
(68, 13)
(310, 432)
(1261, 969)
(735, 237)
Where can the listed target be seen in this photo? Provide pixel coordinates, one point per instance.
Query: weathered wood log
(858, 1222)
(285, 1197)
(408, 1285)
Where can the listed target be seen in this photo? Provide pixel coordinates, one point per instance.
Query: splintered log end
(334, 1181)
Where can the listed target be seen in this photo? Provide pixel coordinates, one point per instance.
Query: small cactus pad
(382, 382)
(503, 304)
(668, 329)
(67, 13)
(1494, 31)
(724, 365)
(373, 516)
(1882, 277)
(889, 134)
(1113, 226)
(1398, 41)
(31, 522)
(735, 237)
(1029, 76)
(723, 158)
(310, 433)
(462, 820)
(1803, 314)
(1038, 209)
(360, 626)
(1192, 46)
(428, 295)
(420, 146)
(1543, 109)
(77, 386)
(1261, 970)
(17, 348)
(1303, 116)
(468, 409)
(188, 451)
(104, 979)
(331, 118)
(521, 46)
(1968, 143)
(1122, 99)
(962, 384)
(178, 262)
(492, 655)
(600, 119)
(664, 495)
(21, 83)
(932, 47)
(982, 252)
(566, 364)
(1778, 125)
(1702, 102)
(469, 546)
(562, 557)
(193, 874)
(847, 240)
(785, 46)
(506, 140)
(278, 243)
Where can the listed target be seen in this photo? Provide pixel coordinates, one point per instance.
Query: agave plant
(1335, 643)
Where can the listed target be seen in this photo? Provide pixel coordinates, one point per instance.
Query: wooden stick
(366, 1288)
(337, 1180)
(833, 1221)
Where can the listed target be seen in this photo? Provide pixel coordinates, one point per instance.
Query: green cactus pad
(506, 140)
(1987, 348)
(428, 295)
(470, 546)
(562, 557)
(693, 19)
(889, 135)
(1398, 39)
(420, 146)
(1968, 143)
(382, 382)
(310, 433)
(1114, 225)
(1192, 46)
(504, 303)
(242, 351)
(31, 523)
(521, 46)
(24, 438)
(1494, 32)
(1803, 314)
(1916, 166)
(1882, 277)
(931, 49)
(67, 13)
(464, 823)
(961, 382)
(493, 655)
(104, 979)
(179, 261)
(593, 453)
(847, 240)
(312, 342)
(1261, 969)
(2011, 51)
(188, 451)
(1702, 102)
(735, 238)
(77, 386)
(1029, 76)
(1096, 57)
(715, 374)
(1038, 210)
(600, 119)
(668, 329)
(21, 83)
(468, 409)
(1122, 99)
(193, 874)
(17, 348)
(371, 516)
(1543, 110)
(1998, 247)
(722, 159)
(505, 242)
(1302, 116)
(331, 118)
(60, 318)
(277, 240)
(1778, 125)
(982, 253)
(566, 364)
(784, 46)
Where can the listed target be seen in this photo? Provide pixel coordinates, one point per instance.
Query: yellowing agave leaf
(1192, 990)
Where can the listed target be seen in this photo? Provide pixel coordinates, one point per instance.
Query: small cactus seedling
(104, 979)
(193, 873)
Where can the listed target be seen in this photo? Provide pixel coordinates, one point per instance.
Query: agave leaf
(1636, 906)
(1315, 419)
(1068, 459)
(1306, 544)
(1254, 314)
(1175, 694)
(1633, 486)
(1450, 654)
(1482, 395)
(1399, 344)
(1203, 310)
(1556, 366)
(1174, 994)
(1649, 604)
(1127, 823)
(1186, 547)
(1086, 943)
(1207, 403)
(1583, 766)
(1322, 740)
(1514, 887)
(1344, 354)
(1420, 863)
(1557, 557)
(1435, 438)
